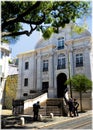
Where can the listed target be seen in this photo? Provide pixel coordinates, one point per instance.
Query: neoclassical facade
(53, 61)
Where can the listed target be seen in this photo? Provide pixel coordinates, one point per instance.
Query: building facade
(5, 68)
(54, 61)
(4, 57)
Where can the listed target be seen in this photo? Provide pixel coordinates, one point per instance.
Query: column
(51, 76)
(39, 78)
(71, 63)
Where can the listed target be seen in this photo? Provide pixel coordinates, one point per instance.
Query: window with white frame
(61, 43)
(45, 65)
(79, 60)
(61, 62)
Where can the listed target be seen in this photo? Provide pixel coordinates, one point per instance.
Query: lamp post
(69, 70)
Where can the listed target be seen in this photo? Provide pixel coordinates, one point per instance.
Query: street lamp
(69, 70)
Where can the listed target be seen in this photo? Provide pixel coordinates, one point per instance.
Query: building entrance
(61, 88)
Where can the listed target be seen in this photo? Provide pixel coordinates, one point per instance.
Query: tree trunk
(81, 101)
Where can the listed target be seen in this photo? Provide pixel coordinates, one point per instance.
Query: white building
(46, 68)
(5, 67)
(4, 57)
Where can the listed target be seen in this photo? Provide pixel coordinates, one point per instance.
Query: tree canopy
(45, 16)
(81, 84)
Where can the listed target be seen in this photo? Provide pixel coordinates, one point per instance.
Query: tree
(81, 84)
(46, 16)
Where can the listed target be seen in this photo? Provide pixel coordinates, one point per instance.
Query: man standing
(76, 105)
(36, 108)
(71, 107)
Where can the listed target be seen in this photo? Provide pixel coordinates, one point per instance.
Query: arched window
(61, 62)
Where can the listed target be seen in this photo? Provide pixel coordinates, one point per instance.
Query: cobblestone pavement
(46, 121)
(56, 119)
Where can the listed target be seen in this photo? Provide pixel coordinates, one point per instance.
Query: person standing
(36, 108)
(76, 105)
(71, 107)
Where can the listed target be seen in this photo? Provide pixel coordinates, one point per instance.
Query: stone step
(56, 106)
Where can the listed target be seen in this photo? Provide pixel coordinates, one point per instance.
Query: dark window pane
(45, 65)
(26, 65)
(45, 86)
(25, 94)
(26, 82)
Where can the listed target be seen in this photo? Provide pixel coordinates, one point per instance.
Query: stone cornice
(29, 53)
(45, 48)
(77, 40)
(81, 39)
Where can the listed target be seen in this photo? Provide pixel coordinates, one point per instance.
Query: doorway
(61, 88)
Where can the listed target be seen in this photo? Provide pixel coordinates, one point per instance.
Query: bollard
(40, 117)
(51, 115)
(22, 121)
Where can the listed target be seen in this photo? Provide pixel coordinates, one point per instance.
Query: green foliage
(79, 29)
(45, 16)
(80, 83)
(10, 90)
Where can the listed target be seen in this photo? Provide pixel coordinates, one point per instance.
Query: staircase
(57, 106)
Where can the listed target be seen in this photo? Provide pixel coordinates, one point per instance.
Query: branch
(20, 16)
(6, 34)
(34, 22)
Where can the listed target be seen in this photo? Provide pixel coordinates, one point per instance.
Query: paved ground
(46, 120)
(56, 119)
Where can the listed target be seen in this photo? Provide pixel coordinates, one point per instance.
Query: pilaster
(39, 78)
(51, 76)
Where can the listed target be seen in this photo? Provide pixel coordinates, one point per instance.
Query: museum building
(53, 61)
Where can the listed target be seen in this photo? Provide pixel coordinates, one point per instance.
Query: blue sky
(26, 43)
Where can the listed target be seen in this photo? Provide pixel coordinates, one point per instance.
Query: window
(61, 43)
(26, 82)
(45, 86)
(25, 94)
(26, 65)
(61, 62)
(45, 65)
(2, 54)
(79, 60)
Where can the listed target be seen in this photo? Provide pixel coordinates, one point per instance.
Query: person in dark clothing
(71, 107)
(76, 105)
(36, 108)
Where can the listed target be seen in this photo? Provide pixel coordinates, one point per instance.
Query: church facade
(53, 62)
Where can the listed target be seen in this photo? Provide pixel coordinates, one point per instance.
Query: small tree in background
(80, 84)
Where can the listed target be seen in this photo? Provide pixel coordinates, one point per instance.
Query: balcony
(61, 66)
(5, 46)
(45, 69)
(60, 47)
(79, 64)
